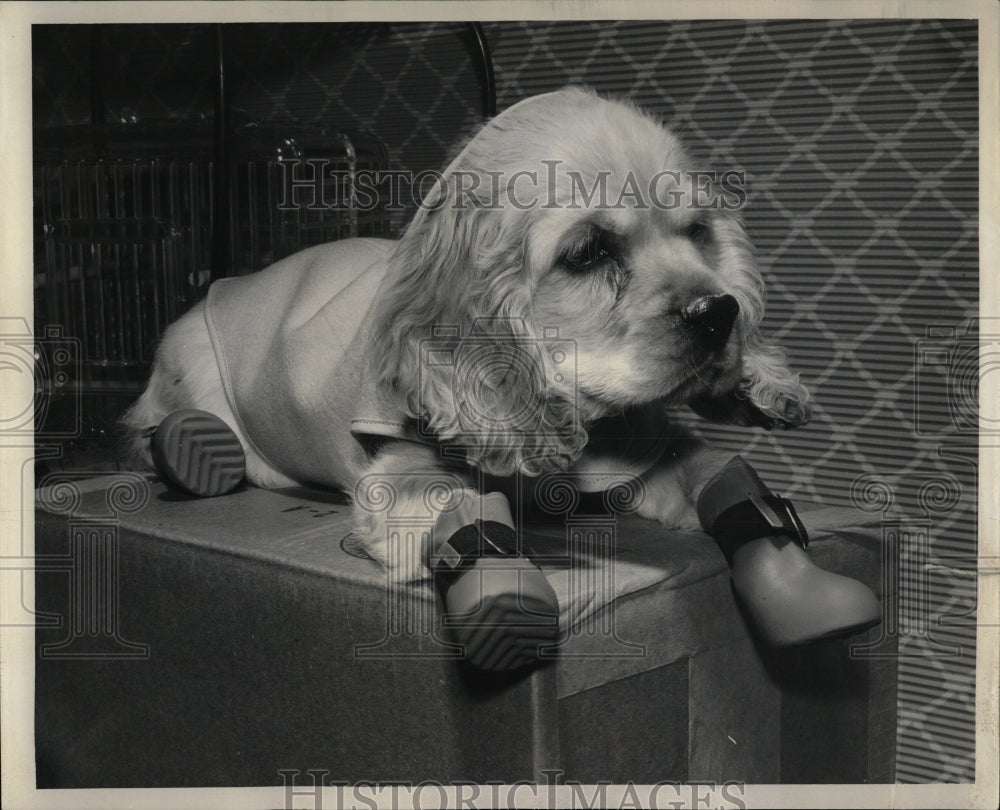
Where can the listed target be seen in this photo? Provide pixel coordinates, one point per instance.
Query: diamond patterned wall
(413, 85)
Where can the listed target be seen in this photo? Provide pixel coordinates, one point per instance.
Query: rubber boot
(789, 599)
(197, 452)
(498, 604)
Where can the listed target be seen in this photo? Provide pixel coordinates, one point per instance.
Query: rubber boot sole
(504, 613)
(198, 453)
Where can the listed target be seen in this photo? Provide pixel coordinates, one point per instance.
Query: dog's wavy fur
(503, 265)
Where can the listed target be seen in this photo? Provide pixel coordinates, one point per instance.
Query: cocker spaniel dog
(569, 284)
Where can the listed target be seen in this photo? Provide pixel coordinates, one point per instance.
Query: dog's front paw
(401, 553)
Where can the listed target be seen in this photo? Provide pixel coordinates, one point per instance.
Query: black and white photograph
(480, 404)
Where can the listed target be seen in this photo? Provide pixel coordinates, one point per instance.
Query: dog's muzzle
(711, 319)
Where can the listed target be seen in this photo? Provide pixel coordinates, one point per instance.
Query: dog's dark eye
(699, 232)
(596, 250)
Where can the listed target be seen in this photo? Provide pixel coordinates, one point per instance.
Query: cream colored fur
(508, 256)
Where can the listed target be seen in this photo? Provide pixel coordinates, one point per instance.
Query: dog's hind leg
(178, 378)
(186, 375)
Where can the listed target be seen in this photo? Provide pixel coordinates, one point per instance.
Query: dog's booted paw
(792, 601)
(198, 453)
(789, 599)
(503, 611)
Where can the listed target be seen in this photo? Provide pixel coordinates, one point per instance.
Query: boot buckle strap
(780, 515)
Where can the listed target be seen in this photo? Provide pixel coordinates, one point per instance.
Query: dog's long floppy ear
(769, 394)
(454, 342)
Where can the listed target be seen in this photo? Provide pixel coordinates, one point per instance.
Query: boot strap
(758, 516)
(745, 509)
(472, 542)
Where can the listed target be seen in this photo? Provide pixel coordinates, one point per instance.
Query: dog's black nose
(712, 318)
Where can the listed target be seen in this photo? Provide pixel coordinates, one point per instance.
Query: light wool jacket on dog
(293, 344)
